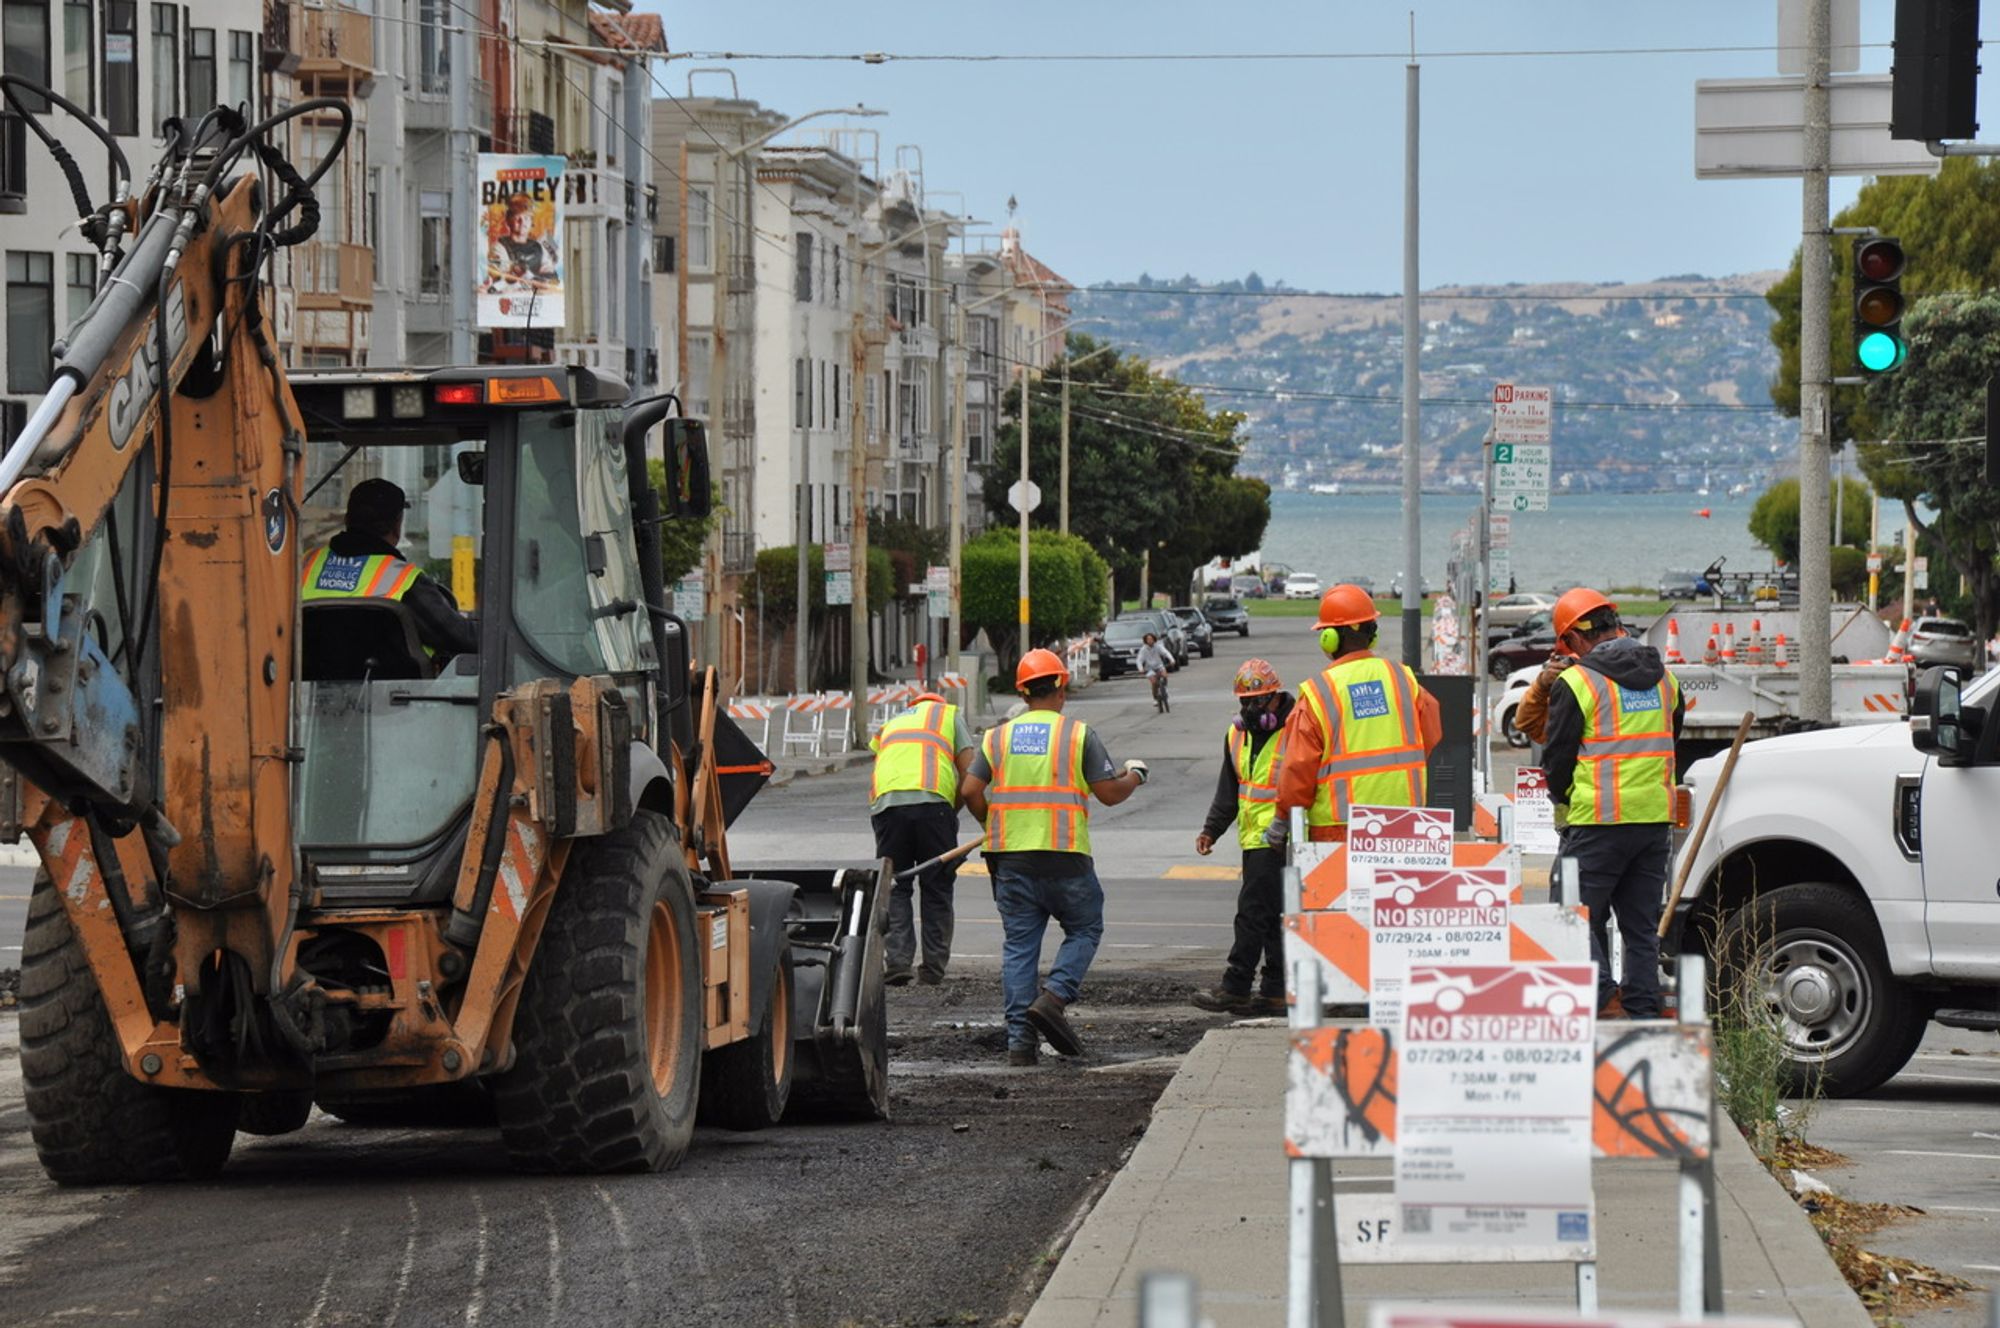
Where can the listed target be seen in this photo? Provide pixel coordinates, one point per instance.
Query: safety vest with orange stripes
(1625, 763)
(1256, 784)
(914, 752)
(328, 575)
(1038, 799)
(1371, 749)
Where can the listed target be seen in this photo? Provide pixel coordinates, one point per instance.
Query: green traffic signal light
(1879, 352)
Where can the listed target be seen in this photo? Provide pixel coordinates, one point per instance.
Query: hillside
(1660, 388)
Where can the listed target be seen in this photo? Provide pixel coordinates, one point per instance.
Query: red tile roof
(625, 32)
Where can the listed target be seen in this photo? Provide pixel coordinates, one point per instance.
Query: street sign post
(1522, 414)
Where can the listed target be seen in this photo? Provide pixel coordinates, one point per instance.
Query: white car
(1510, 697)
(1302, 585)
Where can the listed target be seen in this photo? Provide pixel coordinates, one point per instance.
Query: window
(202, 90)
(663, 253)
(77, 50)
(166, 62)
(799, 393)
(31, 321)
(701, 362)
(373, 221)
(433, 242)
(121, 66)
(700, 231)
(26, 27)
(836, 273)
(837, 416)
(242, 64)
(433, 49)
(79, 285)
(802, 267)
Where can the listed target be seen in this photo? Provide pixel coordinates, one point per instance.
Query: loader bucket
(740, 768)
(840, 1013)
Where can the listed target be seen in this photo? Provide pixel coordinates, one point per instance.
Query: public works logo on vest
(340, 573)
(1029, 740)
(1367, 700)
(1632, 701)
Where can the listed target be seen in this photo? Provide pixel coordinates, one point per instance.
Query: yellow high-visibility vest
(1625, 763)
(328, 575)
(1038, 800)
(1256, 784)
(914, 752)
(1371, 749)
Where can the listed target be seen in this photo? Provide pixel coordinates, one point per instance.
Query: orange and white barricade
(753, 715)
(835, 707)
(885, 702)
(805, 724)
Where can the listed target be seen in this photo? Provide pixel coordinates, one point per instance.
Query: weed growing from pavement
(1753, 1066)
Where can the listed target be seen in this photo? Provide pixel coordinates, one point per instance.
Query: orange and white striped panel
(1324, 867)
(1882, 703)
(809, 704)
(751, 710)
(1337, 942)
(1653, 1085)
(836, 701)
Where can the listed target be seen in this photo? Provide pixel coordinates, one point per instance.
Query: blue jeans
(1026, 903)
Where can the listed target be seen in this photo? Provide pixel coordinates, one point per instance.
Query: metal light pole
(1027, 410)
(1413, 584)
(1815, 368)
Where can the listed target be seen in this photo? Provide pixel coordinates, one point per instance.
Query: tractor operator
(363, 562)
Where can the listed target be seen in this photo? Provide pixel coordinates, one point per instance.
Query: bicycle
(1160, 692)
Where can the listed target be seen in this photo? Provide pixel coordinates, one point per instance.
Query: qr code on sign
(1417, 1221)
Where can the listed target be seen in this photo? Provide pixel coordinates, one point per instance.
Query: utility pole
(1874, 544)
(1021, 647)
(1413, 583)
(1815, 371)
(1064, 500)
(957, 521)
(722, 215)
(464, 190)
(857, 540)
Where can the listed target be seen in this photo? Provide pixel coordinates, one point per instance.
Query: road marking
(1921, 1152)
(555, 1261)
(1951, 1079)
(624, 1238)
(326, 1283)
(1194, 871)
(1954, 1208)
(409, 1261)
(476, 1306)
(1984, 1267)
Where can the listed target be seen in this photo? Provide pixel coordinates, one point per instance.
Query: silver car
(1945, 641)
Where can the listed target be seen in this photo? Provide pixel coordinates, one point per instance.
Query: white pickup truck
(1853, 876)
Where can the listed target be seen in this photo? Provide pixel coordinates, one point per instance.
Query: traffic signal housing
(1934, 78)
(1878, 304)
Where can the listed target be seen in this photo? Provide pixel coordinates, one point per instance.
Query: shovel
(963, 850)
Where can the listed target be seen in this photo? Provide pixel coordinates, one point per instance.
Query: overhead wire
(1404, 56)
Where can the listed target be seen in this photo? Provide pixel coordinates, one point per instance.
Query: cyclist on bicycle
(1154, 661)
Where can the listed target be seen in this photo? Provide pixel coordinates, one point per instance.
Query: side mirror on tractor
(687, 488)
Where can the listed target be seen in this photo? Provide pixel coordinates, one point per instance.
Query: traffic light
(1878, 304)
(1934, 91)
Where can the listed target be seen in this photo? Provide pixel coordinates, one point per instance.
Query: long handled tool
(1701, 830)
(941, 859)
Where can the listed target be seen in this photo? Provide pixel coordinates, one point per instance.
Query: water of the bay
(1609, 540)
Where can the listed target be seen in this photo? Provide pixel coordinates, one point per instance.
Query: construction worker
(1247, 793)
(363, 561)
(1030, 783)
(1613, 718)
(1361, 732)
(920, 756)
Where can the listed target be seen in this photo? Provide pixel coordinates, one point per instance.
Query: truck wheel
(93, 1123)
(608, 1033)
(746, 1086)
(274, 1113)
(1813, 955)
(1515, 738)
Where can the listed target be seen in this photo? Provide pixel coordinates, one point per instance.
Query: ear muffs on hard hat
(1039, 663)
(1346, 606)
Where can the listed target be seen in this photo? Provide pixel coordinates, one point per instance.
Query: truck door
(1961, 857)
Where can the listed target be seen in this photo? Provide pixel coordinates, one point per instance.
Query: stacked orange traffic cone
(1674, 641)
(1709, 656)
(1899, 649)
(1783, 656)
(1729, 643)
(1753, 649)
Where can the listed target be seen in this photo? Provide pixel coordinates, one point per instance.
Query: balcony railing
(524, 131)
(325, 42)
(334, 276)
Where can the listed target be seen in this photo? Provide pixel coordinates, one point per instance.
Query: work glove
(1277, 833)
(1138, 768)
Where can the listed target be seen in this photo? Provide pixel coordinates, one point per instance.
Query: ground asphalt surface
(949, 1213)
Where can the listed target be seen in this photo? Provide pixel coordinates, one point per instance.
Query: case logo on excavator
(131, 393)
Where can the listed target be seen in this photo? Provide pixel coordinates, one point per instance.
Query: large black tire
(1514, 736)
(747, 1085)
(608, 1034)
(93, 1123)
(274, 1113)
(1814, 953)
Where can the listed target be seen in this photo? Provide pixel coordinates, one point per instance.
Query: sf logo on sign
(1520, 502)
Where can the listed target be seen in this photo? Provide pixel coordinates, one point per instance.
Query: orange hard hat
(1344, 606)
(1573, 610)
(1257, 678)
(922, 697)
(1039, 663)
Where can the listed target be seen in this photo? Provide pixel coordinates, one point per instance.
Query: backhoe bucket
(840, 1013)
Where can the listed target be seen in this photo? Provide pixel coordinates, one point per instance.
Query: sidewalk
(1205, 1194)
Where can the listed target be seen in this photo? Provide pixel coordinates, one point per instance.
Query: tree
(1933, 415)
(1065, 584)
(1150, 467)
(776, 576)
(1774, 521)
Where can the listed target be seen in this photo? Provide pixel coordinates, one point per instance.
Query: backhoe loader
(290, 854)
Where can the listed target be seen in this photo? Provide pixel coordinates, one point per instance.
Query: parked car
(1247, 587)
(1508, 701)
(1363, 583)
(1302, 585)
(1118, 651)
(1520, 652)
(1226, 614)
(1396, 586)
(1534, 624)
(1512, 610)
(1678, 583)
(1201, 636)
(1165, 626)
(1945, 641)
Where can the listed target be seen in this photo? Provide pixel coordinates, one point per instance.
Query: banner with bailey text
(519, 233)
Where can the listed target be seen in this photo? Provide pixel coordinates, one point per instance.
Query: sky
(1535, 167)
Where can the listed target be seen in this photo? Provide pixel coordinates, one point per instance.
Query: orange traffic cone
(1753, 649)
(1709, 655)
(1900, 647)
(1729, 643)
(1783, 656)
(1674, 641)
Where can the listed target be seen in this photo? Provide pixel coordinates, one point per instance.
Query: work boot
(1269, 1004)
(1046, 1014)
(1020, 1057)
(1221, 1000)
(930, 977)
(899, 975)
